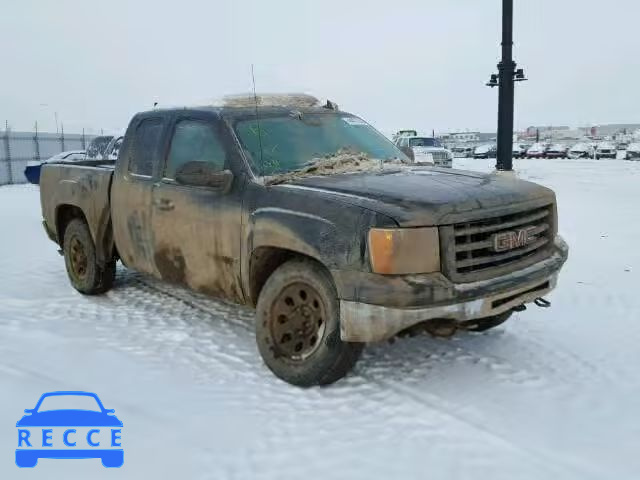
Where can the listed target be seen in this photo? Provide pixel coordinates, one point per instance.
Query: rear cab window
(146, 147)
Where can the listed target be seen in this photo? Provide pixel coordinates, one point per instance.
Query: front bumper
(436, 160)
(362, 321)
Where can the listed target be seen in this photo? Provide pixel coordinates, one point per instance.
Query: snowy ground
(553, 394)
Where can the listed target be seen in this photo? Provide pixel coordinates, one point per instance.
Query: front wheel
(484, 324)
(298, 328)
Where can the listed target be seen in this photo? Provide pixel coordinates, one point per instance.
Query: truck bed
(84, 185)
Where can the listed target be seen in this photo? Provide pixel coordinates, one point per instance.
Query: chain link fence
(19, 148)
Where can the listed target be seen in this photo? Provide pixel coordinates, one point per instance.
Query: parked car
(581, 150)
(113, 148)
(606, 150)
(537, 150)
(98, 147)
(557, 151)
(462, 152)
(426, 150)
(520, 150)
(633, 151)
(319, 222)
(486, 151)
(32, 170)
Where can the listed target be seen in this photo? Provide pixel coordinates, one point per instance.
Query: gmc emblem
(515, 239)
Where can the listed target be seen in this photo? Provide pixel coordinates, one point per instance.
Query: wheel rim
(298, 321)
(78, 258)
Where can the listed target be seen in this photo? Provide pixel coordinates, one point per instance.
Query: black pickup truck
(309, 214)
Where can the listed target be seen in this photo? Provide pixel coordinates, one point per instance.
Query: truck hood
(424, 196)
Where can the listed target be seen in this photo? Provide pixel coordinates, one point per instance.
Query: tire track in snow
(139, 294)
(438, 404)
(161, 320)
(212, 307)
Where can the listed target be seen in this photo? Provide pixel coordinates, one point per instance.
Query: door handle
(164, 204)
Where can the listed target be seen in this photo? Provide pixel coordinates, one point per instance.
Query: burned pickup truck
(311, 216)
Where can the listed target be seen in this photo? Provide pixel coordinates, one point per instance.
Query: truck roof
(245, 104)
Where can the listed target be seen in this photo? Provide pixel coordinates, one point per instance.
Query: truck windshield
(424, 142)
(293, 142)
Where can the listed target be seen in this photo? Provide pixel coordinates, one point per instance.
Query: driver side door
(197, 228)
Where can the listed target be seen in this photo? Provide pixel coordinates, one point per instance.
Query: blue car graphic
(36, 431)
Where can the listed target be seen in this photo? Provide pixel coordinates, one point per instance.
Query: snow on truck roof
(301, 100)
(249, 100)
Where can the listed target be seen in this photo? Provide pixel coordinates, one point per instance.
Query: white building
(463, 137)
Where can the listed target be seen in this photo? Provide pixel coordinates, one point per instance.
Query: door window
(194, 141)
(145, 148)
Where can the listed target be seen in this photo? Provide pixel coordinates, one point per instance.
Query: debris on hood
(344, 161)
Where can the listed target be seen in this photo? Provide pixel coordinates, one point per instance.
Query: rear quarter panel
(84, 187)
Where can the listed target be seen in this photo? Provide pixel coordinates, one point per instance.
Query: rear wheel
(298, 329)
(84, 273)
(484, 324)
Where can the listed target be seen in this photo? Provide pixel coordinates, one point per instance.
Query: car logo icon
(54, 430)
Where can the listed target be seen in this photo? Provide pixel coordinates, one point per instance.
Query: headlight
(404, 250)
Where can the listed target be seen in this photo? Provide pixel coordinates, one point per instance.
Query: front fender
(299, 232)
(317, 225)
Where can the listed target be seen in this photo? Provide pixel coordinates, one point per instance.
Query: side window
(194, 141)
(145, 147)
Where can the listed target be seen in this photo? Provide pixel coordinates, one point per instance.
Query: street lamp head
(519, 76)
(493, 81)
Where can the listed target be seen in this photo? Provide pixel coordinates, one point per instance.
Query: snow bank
(552, 394)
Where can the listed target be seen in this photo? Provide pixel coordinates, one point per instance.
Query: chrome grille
(439, 155)
(472, 249)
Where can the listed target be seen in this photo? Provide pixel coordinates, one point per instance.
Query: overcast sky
(399, 64)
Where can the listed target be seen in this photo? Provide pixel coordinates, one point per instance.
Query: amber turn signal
(397, 251)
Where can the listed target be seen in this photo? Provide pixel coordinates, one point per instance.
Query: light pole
(505, 81)
(55, 115)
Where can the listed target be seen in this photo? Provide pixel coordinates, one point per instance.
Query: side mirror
(109, 410)
(28, 410)
(203, 174)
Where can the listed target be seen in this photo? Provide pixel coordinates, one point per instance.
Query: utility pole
(505, 81)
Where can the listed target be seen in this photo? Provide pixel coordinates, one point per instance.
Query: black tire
(84, 273)
(484, 324)
(299, 301)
